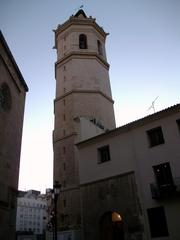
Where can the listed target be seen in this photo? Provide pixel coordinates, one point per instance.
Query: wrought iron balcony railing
(166, 190)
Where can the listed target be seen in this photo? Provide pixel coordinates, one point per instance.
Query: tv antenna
(152, 105)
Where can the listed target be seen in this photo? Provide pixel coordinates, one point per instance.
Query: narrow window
(64, 68)
(99, 47)
(64, 202)
(178, 124)
(64, 132)
(157, 222)
(155, 136)
(103, 154)
(5, 97)
(64, 166)
(64, 102)
(82, 41)
(64, 150)
(163, 176)
(64, 183)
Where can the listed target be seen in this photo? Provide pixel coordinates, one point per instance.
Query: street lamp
(56, 191)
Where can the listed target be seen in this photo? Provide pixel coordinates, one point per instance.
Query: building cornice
(55, 140)
(8, 52)
(82, 55)
(132, 125)
(84, 91)
(80, 21)
(106, 179)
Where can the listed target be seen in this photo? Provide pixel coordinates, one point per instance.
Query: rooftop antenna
(152, 105)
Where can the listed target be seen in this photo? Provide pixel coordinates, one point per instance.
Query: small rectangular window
(103, 154)
(155, 136)
(157, 222)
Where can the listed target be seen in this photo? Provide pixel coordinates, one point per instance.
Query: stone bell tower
(82, 90)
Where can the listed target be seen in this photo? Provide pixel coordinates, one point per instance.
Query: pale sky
(143, 50)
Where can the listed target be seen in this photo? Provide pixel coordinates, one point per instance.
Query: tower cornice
(84, 91)
(80, 21)
(82, 55)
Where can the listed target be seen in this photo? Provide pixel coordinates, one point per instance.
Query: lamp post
(56, 191)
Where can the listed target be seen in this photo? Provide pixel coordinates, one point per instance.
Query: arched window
(82, 41)
(99, 47)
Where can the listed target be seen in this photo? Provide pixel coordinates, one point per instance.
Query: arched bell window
(82, 41)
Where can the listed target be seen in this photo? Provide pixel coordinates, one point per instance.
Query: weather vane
(152, 105)
(80, 7)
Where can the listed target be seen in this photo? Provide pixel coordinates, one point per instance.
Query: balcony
(166, 190)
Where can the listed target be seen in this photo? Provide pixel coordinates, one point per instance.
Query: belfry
(83, 98)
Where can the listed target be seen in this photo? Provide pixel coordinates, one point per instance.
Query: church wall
(92, 76)
(67, 173)
(11, 122)
(80, 73)
(63, 118)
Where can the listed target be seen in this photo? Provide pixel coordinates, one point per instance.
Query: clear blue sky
(143, 49)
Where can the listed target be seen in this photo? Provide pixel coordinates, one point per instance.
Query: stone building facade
(12, 99)
(133, 171)
(32, 213)
(82, 91)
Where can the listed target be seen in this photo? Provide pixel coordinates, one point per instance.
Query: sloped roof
(5, 45)
(79, 13)
(132, 125)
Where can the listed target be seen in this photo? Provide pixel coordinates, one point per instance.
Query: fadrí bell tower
(82, 90)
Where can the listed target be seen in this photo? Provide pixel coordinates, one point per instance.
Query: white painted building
(31, 213)
(136, 166)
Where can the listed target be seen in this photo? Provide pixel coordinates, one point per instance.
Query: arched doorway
(111, 226)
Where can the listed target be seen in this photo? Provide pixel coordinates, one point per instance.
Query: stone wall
(117, 194)
(12, 99)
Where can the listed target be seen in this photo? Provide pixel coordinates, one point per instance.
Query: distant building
(130, 180)
(31, 213)
(12, 100)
